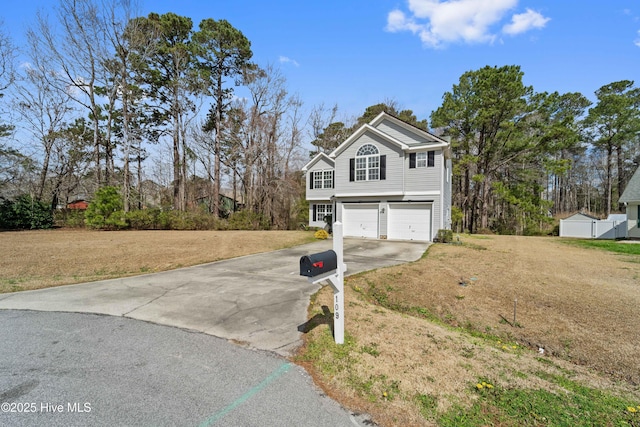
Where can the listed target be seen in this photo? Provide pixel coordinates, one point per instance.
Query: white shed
(589, 227)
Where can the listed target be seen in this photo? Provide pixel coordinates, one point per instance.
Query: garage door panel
(360, 221)
(409, 222)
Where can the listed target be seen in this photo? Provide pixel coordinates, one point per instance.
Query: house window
(425, 159)
(367, 163)
(328, 179)
(321, 179)
(421, 160)
(320, 211)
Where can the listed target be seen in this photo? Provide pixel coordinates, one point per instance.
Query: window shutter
(412, 160)
(431, 158)
(333, 179)
(315, 210)
(383, 167)
(311, 180)
(352, 170)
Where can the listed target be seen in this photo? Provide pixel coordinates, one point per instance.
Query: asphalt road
(69, 369)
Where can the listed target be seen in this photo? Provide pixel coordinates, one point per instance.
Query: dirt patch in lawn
(423, 336)
(39, 259)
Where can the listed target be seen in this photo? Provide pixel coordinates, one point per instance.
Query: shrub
(26, 213)
(248, 220)
(105, 210)
(321, 234)
(445, 236)
(142, 219)
(73, 218)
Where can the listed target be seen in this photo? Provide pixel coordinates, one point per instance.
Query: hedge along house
(388, 180)
(631, 199)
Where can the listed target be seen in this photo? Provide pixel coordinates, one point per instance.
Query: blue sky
(356, 53)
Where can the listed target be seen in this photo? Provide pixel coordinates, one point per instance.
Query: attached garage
(360, 220)
(409, 221)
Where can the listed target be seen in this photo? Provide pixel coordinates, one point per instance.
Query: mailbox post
(329, 265)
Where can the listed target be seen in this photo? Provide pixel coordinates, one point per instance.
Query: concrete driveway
(257, 300)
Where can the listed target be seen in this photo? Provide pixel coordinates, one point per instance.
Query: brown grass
(39, 259)
(581, 305)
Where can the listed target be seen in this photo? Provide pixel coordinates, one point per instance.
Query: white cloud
(285, 60)
(439, 22)
(637, 40)
(524, 22)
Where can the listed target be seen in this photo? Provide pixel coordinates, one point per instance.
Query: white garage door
(360, 220)
(409, 221)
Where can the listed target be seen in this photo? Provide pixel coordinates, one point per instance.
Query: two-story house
(388, 180)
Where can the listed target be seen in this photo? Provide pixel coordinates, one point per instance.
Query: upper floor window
(321, 179)
(423, 159)
(368, 163)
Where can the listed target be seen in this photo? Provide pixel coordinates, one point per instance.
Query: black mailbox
(317, 264)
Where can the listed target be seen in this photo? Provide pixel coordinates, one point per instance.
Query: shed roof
(580, 217)
(632, 192)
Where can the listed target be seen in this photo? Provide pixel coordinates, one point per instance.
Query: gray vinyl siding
(319, 193)
(424, 179)
(394, 168)
(401, 134)
(436, 219)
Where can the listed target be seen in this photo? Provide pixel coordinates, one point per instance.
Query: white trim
(423, 193)
(376, 194)
(390, 193)
(315, 199)
(404, 147)
(358, 133)
(382, 116)
(315, 160)
(425, 147)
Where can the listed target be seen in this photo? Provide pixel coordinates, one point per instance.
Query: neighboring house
(78, 205)
(388, 180)
(631, 199)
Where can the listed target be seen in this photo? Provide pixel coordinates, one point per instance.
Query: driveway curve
(257, 300)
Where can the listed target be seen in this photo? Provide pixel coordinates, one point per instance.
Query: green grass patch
(11, 285)
(572, 405)
(330, 358)
(607, 245)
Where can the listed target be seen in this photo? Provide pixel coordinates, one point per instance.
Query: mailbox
(317, 264)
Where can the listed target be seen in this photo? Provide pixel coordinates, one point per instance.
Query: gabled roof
(632, 192)
(411, 128)
(370, 127)
(315, 160)
(579, 216)
(361, 131)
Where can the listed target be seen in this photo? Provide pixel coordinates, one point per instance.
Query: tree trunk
(609, 179)
(621, 181)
